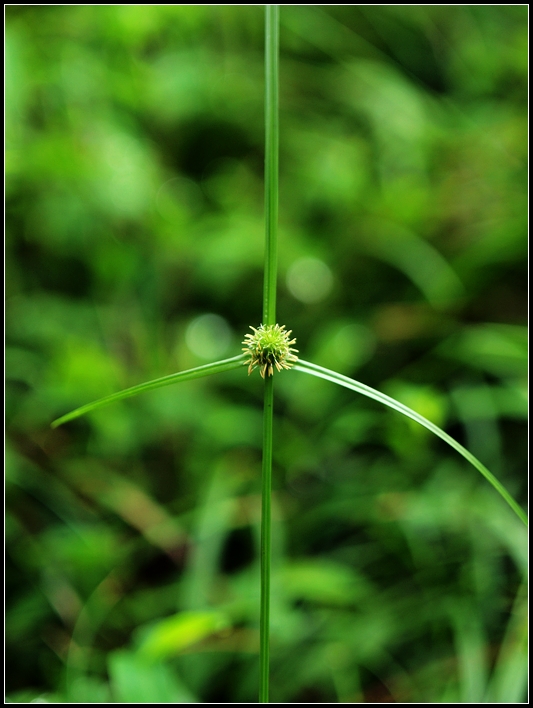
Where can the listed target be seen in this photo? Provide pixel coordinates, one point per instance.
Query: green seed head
(268, 347)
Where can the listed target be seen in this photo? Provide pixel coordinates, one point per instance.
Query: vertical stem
(271, 161)
(269, 318)
(266, 494)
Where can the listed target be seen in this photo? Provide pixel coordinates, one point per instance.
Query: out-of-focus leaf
(325, 582)
(134, 680)
(508, 682)
(175, 634)
(495, 348)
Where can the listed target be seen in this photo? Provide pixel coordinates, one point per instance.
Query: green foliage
(134, 138)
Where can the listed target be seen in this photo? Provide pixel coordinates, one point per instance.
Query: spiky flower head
(269, 346)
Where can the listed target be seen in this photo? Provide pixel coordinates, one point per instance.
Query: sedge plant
(269, 349)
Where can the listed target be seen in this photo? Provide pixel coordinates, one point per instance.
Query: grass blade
(334, 377)
(271, 161)
(266, 515)
(196, 373)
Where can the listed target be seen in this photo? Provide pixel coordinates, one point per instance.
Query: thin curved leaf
(315, 370)
(196, 373)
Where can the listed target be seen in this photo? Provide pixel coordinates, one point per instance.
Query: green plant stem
(266, 515)
(271, 161)
(196, 373)
(333, 376)
(269, 318)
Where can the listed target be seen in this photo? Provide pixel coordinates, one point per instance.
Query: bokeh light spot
(309, 280)
(208, 336)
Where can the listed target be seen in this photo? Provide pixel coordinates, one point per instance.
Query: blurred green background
(134, 188)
